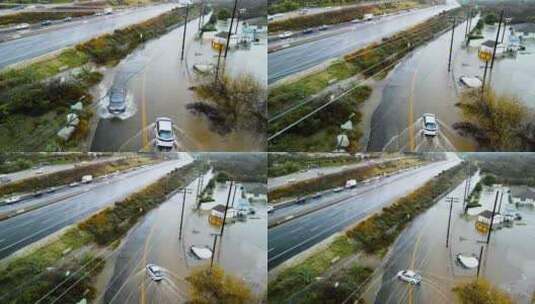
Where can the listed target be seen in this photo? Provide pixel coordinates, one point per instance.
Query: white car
(285, 35)
(154, 272)
(430, 125)
(13, 200)
(270, 209)
(409, 276)
(39, 171)
(165, 137)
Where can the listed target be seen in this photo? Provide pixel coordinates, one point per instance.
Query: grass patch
(36, 17)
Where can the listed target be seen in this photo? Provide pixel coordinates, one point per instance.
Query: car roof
(410, 272)
(165, 125)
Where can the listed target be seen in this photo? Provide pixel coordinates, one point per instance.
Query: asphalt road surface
(295, 236)
(299, 58)
(49, 169)
(53, 39)
(74, 204)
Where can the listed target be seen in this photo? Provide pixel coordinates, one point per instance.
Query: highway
(303, 175)
(295, 236)
(350, 38)
(241, 251)
(68, 34)
(49, 169)
(71, 205)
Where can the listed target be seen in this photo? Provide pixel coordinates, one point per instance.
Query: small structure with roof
(484, 218)
(524, 30)
(217, 214)
(524, 196)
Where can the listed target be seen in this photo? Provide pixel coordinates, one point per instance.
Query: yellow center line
(144, 134)
(143, 298)
(411, 111)
(413, 262)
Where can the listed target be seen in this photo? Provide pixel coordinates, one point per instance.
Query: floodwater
(420, 84)
(512, 75)
(241, 251)
(158, 85)
(507, 262)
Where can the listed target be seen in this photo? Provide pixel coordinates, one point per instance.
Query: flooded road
(158, 85)
(241, 251)
(420, 84)
(508, 261)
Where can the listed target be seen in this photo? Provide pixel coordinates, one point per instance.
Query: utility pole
(230, 28)
(200, 16)
(217, 67)
(466, 30)
(184, 34)
(182, 212)
(479, 261)
(451, 45)
(492, 218)
(234, 196)
(215, 235)
(504, 28)
(496, 42)
(484, 78)
(226, 208)
(450, 200)
(500, 206)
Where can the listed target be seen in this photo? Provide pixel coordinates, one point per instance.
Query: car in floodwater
(165, 137)
(117, 98)
(154, 271)
(409, 276)
(270, 209)
(430, 125)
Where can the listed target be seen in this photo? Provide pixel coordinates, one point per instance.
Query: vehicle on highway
(291, 181)
(67, 19)
(410, 277)
(108, 11)
(430, 125)
(339, 189)
(13, 200)
(46, 22)
(323, 27)
(308, 31)
(165, 137)
(22, 26)
(270, 209)
(74, 184)
(86, 179)
(367, 17)
(117, 100)
(303, 11)
(285, 35)
(351, 183)
(39, 171)
(301, 200)
(154, 272)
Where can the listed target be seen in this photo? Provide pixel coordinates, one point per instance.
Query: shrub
(481, 291)
(215, 286)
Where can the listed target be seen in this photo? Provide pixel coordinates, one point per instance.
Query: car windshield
(431, 126)
(166, 135)
(116, 96)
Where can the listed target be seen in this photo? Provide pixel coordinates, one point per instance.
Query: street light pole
(184, 34)
(450, 200)
(479, 261)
